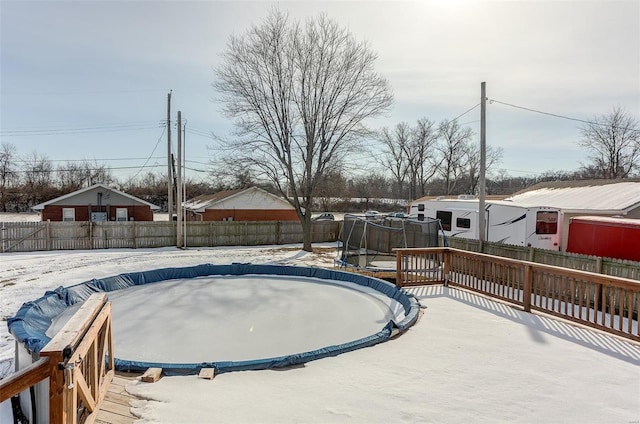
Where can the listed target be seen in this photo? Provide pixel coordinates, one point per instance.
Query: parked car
(325, 217)
(372, 214)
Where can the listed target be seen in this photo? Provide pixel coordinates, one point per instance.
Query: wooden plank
(77, 326)
(117, 408)
(106, 417)
(151, 375)
(207, 373)
(23, 379)
(84, 391)
(120, 398)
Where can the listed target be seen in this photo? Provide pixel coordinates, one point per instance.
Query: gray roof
(609, 197)
(94, 187)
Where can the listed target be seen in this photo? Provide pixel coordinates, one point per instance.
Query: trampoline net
(369, 244)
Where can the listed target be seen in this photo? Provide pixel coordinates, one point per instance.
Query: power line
(105, 160)
(79, 130)
(555, 115)
(464, 113)
(67, 92)
(199, 133)
(34, 171)
(149, 158)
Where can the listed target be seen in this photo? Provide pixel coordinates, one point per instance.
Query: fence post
(48, 230)
(133, 235)
(58, 390)
(598, 269)
(399, 281)
(526, 290)
(446, 267)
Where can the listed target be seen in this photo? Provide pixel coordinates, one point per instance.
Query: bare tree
(422, 156)
(471, 174)
(299, 95)
(70, 177)
(8, 173)
(410, 155)
(37, 187)
(613, 141)
(453, 148)
(95, 173)
(73, 176)
(394, 153)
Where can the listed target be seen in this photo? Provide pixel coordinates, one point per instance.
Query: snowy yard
(468, 359)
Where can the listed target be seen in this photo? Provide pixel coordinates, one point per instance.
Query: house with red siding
(250, 204)
(98, 203)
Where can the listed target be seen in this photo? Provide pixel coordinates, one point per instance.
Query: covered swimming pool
(228, 317)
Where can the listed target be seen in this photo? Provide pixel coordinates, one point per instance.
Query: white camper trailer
(505, 222)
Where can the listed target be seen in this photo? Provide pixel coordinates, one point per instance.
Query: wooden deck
(116, 407)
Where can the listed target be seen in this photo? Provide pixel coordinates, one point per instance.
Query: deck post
(58, 393)
(399, 281)
(446, 268)
(526, 290)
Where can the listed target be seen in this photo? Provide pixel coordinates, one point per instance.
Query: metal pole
(169, 159)
(483, 162)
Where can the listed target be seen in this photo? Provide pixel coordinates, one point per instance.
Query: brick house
(250, 204)
(98, 203)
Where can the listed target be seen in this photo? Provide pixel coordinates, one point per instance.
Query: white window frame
(68, 214)
(119, 214)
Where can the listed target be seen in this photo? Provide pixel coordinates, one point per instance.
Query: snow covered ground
(468, 359)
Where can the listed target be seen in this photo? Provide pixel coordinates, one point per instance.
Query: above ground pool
(229, 317)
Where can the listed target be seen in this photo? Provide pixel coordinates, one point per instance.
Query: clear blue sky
(89, 79)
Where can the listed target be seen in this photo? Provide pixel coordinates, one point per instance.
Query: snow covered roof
(248, 198)
(612, 197)
(41, 206)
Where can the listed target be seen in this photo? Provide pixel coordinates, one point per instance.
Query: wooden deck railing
(604, 302)
(79, 363)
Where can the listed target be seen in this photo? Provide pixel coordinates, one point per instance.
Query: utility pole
(184, 182)
(169, 160)
(483, 164)
(179, 243)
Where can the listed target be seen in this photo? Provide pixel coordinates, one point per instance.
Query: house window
(421, 207)
(68, 214)
(121, 214)
(547, 222)
(463, 223)
(445, 219)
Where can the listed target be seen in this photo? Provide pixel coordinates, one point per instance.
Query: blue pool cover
(34, 318)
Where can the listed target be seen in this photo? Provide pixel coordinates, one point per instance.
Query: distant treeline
(31, 180)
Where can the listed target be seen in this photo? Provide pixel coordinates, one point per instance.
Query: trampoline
(228, 317)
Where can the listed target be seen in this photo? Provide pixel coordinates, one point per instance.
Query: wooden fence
(607, 266)
(34, 236)
(604, 302)
(78, 362)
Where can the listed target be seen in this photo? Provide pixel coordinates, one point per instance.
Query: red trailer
(603, 236)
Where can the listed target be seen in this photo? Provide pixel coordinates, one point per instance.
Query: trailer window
(445, 219)
(463, 223)
(547, 223)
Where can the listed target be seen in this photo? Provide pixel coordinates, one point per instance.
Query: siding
(250, 215)
(138, 213)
